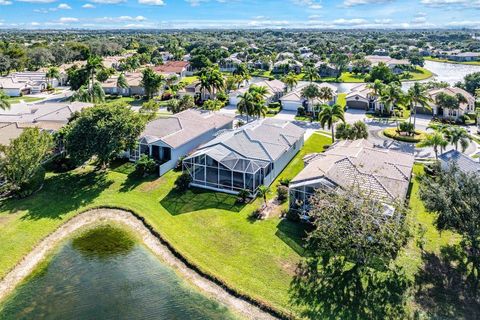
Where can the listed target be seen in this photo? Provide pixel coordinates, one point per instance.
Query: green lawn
(212, 230)
(419, 74)
(128, 100)
(189, 80)
(14, 100)
(351, 77)
(342, 99)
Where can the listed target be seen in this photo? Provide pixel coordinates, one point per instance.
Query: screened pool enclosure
(222, 169)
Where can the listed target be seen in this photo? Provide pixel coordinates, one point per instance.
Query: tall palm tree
(434, 140)
(390, 96)
(290, 80)
(458, 135)
(376, 87)
(94, 63)
(325, 94)
(122, 82)
(52, 73)
(263, 192)
(311, 74)
(216, 80)
(204, 85)
(417, 96)
(310, 92)
(4, 103)
(330, 115)
(246, 104)
(259, 92)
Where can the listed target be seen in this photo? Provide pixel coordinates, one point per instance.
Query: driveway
(286, 115)
(353, 115)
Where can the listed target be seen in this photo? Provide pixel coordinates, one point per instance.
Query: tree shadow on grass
(195, 199)
(60, 194)
(134, 180)
(293, 234)
(334, 289)
(445, 287)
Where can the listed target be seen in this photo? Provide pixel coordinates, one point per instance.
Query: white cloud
(152, 2)
(5, 2)
(120, 19)
(67, 20)
(108, 1)
(33, 23)
(88, 6)
(451, 3)
(64, 6)
(311, 4)
(352, 3)
(37, 1)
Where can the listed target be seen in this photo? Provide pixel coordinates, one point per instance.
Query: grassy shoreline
(469, 63)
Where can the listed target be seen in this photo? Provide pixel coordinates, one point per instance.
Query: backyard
(211, 230)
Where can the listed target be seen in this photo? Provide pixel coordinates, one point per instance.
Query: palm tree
(94, 63)
(310, 92)
(204, 85)
(456, 135)
(376, 87)
(311, 74)
(390, 96)
(216, 81)
(259, 92)
(51, 74)
(290, 80)
(330, 115)
(122, 82)
(4, 103)
(417, 96)
(263, 192)
(325, 94)
(213, 105)
(434, 140)
(246, 104)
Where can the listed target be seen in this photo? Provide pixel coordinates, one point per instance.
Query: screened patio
(222, 169)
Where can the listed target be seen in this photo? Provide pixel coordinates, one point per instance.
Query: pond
(105, 274)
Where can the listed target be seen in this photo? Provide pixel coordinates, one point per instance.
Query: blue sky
(160, 14)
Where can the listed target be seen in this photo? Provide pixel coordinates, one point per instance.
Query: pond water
(105, 275)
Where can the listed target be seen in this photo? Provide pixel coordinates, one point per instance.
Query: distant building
(394, 64)
(275, 88)
(134, 81)
(380, 52)
(230, 64)
(459, 56)
(287, 65)
(169, 68)
(327, 70)
(168, 139)
(22, 83)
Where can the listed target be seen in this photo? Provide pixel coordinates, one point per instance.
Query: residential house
(361, 97)
(294, 99)
(245, 158)
(14, 88)
(21, 83)
(134, 81)
(395, 65)
(168, 139)
(287, 65)
(327, 70)
(178, 68)
(8, 132)
(382, 173)
(380, 52)
(275, 88)
(457, 55)
(230, 64)
(464, 107)
(462, 161)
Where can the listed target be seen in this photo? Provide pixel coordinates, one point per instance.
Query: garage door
(290, 105)
(357, 105)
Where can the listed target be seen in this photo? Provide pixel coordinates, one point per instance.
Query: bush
(292, 215)
(243, 195)
(393, 134)
(282, 193)
(34, 184)
(145, 165)
(285, 181)
(183, 181)
(274, 105)
(60, 164)
(179, 165)
(301, 112)
(406, 127)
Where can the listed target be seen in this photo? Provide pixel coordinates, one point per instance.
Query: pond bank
(223, 295)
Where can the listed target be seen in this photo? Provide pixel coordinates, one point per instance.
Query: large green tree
(151, 82)
(21, 161)
(103, 132)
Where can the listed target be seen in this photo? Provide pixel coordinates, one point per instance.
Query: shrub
(406, 127)
(301, 111)
(285, 181)
(274, 105)
(32, 185)
(243, 195)
(178, 166)
(183, 181)
(145, 165)
(292, 215)
(282, 193)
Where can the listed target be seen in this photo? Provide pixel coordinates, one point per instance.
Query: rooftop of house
(172, 67)
(375, 60)
(133, 79)
(8, 132)
(361, 90)
(273, 87)
(382, 172)
(183, 127)
(464, 163)
(453, 91)
(265, 140)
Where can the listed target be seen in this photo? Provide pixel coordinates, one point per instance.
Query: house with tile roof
(168, 139)
(134, 81)
(468, 106)
(169, 68)
(380, 172)
(245, 158)
(294, 99)
(461, 160)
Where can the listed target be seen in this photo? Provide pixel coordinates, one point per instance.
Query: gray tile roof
(183, 127)
(464, 163)
(265, 139)
(382, 172)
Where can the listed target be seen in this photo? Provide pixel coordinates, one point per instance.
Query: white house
(168, 139)
(361, 97)
(462, 161)
(245, 158)
(134, 81)
(464, 107)
(294, 100)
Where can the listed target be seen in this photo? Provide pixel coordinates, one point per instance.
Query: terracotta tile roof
(172, 67)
